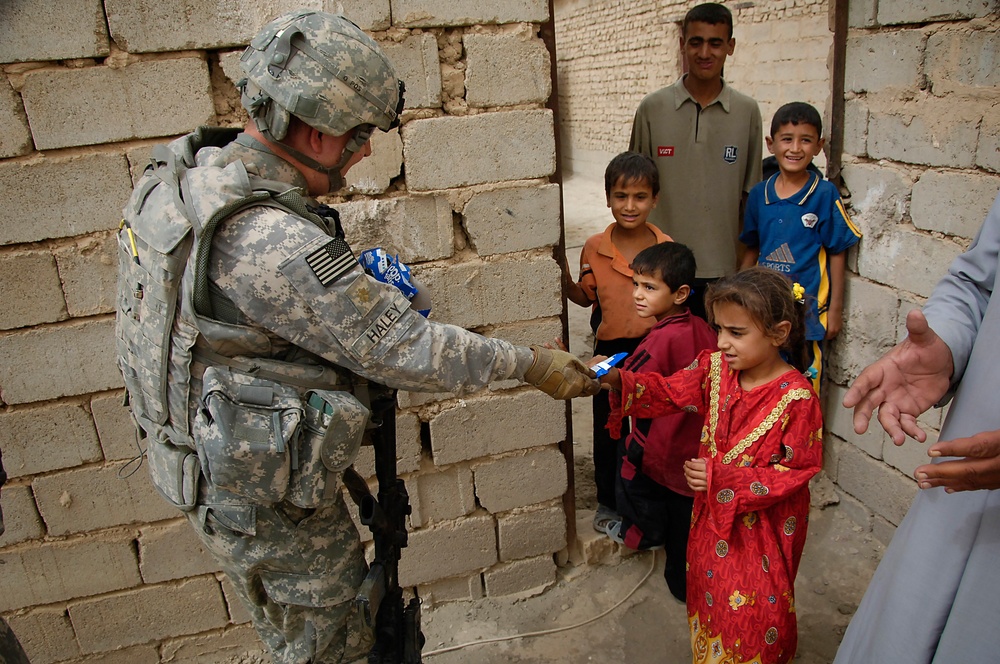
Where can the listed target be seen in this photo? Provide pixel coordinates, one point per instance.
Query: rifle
(396, 625)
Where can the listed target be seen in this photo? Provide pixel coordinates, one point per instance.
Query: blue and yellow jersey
(795, 236)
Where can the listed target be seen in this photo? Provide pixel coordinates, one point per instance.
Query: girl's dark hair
(767, 296)
(632, 167)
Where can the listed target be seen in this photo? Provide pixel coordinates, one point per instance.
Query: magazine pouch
(246, 430)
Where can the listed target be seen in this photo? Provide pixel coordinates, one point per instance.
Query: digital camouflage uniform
(239, 306)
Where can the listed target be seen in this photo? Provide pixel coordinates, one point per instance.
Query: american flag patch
(332, 261)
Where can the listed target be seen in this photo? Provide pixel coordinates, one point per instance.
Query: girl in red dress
(761, 443)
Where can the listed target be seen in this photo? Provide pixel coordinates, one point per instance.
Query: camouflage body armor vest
(212, 404)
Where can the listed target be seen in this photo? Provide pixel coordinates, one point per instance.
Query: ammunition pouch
(175, 472)
(269, 441)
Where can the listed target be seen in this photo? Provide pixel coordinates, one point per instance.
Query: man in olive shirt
(706, 140)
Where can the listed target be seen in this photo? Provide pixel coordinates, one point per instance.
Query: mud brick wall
(611, 54)
(94, 565)
(922, 164)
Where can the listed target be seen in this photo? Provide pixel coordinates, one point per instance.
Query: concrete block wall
(921, 167)
(611, 54)
(95, 566)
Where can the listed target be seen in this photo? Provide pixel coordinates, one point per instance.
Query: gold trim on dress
(767, 422)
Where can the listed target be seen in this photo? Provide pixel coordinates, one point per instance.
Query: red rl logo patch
(665, 151)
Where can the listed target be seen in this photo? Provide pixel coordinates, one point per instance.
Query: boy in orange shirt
(632, 185)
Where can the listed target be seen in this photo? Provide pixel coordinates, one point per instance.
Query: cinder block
(527, 533)
(408, 451)
(115, 427)
(148, 613)
(516, 219)
(919, 136)
(506, 69)
(177, 26)
(20, 516)
(72, 30)
(906, 260)
(862, 13)
(528, 333)
(375, 173)
(49, 437)
(868, 331)
(538, 476)
(77, 501)
(106, 105)
(59, 571)
(880, 60)
(483, 426)
(448, 549)
(528, 577)
(67, 185)
(30, 292)
(442, 495)
(89, 272)
(455, 589)
(879, 196)
(840, 422)
(144, 654)
(884, 490)
(953, 203)
(15, 136)
(490, 147)
(988, 150)
(883, 530)
(476, 294)
(418, 228)
(172, 551)
(367, 14)
(45, 634)
(949, 63)
(416, 62)
(906, 457)
(236, 644)
(431, 13)
(925, 11)
(52, 362)
(855, 511)
(237, 611)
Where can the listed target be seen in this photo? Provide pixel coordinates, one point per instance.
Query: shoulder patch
(331, 261)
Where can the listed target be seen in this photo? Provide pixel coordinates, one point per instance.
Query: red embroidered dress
(747, 531)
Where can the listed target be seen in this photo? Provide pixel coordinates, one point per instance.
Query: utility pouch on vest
(175, 472)
(246, 430)
(334, 427)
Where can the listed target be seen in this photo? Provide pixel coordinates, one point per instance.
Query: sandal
(604, 518)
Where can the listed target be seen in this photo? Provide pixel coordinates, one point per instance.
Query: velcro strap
(258, 395)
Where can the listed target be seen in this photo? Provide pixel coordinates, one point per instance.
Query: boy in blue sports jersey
(796, 224)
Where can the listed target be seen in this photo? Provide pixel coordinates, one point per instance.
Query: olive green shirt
(708, 158)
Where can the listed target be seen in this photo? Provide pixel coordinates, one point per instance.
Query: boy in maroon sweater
(653, 497)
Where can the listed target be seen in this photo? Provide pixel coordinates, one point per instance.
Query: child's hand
(696, 474)
(555, 344)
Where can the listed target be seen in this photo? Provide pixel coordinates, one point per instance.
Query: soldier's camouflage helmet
(322, 69)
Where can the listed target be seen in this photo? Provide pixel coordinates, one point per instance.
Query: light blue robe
(935, 596)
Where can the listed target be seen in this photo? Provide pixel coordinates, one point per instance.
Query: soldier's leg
(297, 576)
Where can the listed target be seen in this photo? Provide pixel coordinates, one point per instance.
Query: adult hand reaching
(903, 383)
(978, 469)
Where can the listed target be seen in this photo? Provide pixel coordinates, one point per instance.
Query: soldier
(246, 329)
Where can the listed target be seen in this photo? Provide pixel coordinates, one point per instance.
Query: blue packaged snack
(390, 270)
(601, 368)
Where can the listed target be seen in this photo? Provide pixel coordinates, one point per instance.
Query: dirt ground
(621, 611)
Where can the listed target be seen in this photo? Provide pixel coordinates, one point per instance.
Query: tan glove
(560, 374)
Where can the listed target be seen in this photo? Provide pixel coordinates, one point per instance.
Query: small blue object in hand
(601, 368)
(390, 270)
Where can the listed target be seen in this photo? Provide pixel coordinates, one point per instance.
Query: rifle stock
(396, 626)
